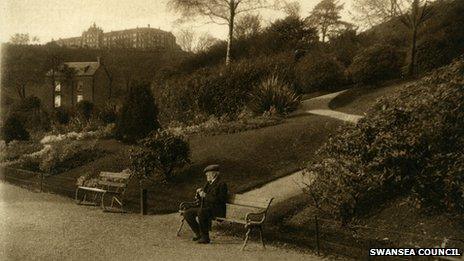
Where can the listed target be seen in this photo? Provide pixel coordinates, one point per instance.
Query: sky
(54, 19)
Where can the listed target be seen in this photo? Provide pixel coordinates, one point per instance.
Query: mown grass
(358, 100)
(248, 160)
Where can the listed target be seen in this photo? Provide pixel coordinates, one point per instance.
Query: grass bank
(248, 159)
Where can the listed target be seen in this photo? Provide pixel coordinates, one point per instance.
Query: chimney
(148, 25)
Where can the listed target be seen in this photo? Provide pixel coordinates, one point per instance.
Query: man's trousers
(202, 227)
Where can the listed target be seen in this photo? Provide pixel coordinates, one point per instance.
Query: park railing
(38, 181)
(330, 237)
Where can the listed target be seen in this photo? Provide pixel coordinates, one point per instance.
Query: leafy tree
(19, 69)
(292, 9)
(411, 13)
(160, 153)
(13, 129)
(286, 34)
(223, 12)
(375, 64)
(20, 39)
(326, 17)
(139, 114)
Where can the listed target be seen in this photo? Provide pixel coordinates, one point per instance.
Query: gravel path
(40, 226)
(281, 189)
(320, 106)
(291, 185)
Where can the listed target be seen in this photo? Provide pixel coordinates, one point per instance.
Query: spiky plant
(274, 95)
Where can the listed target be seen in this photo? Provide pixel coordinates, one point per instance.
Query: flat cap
(214, 167)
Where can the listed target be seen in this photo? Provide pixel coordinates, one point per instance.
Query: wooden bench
(250, 212)
(111, 184)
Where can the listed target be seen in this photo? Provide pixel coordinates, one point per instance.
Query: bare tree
(247, 25)
(204, 42)
(326, 17)
(411, 13)
(222, 12)
(185, 39)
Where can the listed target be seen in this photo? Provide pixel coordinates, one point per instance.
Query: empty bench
(240, 209)
(109, 184)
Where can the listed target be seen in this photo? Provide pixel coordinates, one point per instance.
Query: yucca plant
(272, 95)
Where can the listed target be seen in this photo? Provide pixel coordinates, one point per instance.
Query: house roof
(80, 68)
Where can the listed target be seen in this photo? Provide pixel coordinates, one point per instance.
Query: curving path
(291, 185)
(320, 106)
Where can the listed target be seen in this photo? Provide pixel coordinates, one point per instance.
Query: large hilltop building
(138, 38)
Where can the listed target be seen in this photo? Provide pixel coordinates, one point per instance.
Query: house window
(57, 86)
(80, 86)
(57, 100)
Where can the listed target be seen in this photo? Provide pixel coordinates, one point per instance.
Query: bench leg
(181, 225)
(76, 196)
(261, 236)
(247, 235)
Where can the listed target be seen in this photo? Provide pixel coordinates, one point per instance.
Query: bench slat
(238, 212)
(239, 221)
(92, 189)
(247, 201)
(112, 184)
(115, 175)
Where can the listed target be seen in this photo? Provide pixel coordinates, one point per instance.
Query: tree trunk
(412, 55)
(231, 31)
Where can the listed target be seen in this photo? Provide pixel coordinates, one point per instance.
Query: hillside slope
(398, 175)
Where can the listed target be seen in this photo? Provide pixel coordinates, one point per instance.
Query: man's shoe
(196, 238)
(203, 241)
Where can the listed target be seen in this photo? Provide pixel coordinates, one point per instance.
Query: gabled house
(78, 81)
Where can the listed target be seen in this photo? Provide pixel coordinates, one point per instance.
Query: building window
(57, 100)
(57, 86)
(80, 86)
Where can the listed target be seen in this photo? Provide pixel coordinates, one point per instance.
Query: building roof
(80, 68)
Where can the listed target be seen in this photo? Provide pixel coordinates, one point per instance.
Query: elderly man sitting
(213, 198)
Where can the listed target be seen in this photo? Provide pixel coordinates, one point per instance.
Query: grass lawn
(248, 160)
(358, 100)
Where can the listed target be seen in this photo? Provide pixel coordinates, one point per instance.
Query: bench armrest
(186, 205)
(255, 218)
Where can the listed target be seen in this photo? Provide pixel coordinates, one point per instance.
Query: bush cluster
(139, 114)
(13, 129)
(319, 71)
(160, 154)
(376, 64)
(221, 90)
(408, 144)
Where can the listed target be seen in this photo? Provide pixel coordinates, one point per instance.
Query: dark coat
(216, 197)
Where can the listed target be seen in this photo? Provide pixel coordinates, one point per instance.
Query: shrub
(13, 129)
(61, 115)
(376, 64)
(409, 144)
(160, 153)
(108, 114)
(219, 91)
(272, 94)
(84, 110)
(319, 71)
(65, 155)
(31, 114)
(139, 114)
